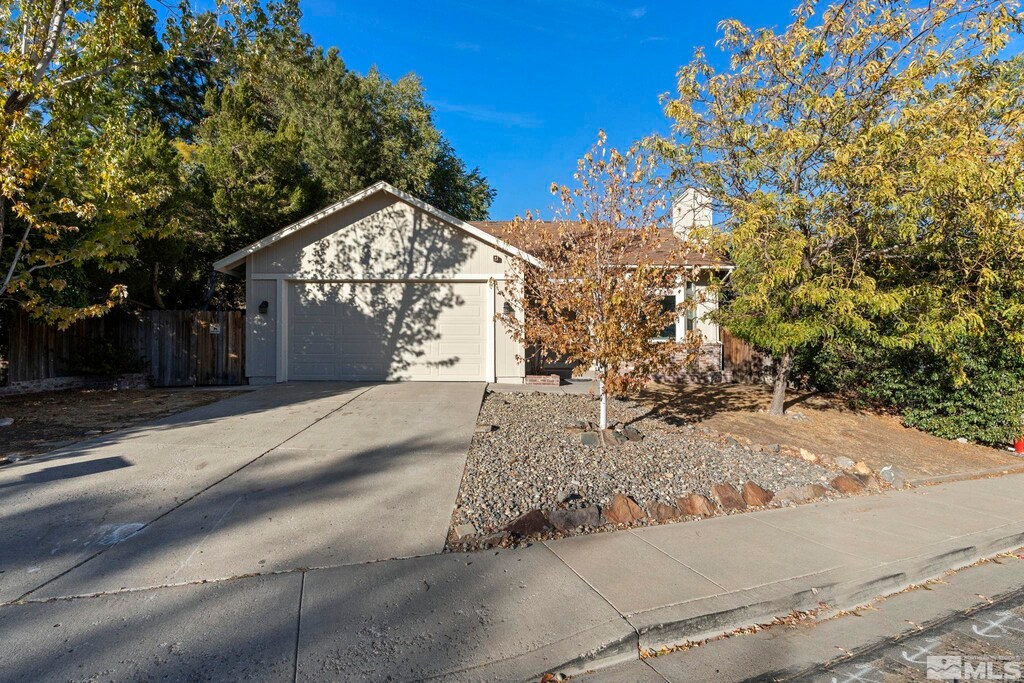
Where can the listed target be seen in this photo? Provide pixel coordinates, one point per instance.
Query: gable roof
(231, 262)
(663, 253)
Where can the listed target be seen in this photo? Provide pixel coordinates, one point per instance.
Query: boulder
(727, 497)
(801, 494)
(567, 520)
(861, 467)
(842, 462)
(623, 510)
(6, 421)
(846, 483)
(825, 460)
(485, 428)
(533, 522)
(591, 439)
(755, 496)
(663, 513)
(696, 505)
(893, 476)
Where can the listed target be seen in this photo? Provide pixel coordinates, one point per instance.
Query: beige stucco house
(383, 286)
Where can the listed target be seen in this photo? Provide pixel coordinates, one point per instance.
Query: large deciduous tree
(597, 297)
(867, 161)
(78, 167)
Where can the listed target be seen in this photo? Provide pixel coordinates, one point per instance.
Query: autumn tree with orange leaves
(596, 299)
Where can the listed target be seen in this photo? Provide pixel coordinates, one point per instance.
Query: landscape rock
(591, 439)
(894, 476)
(613, 437)
(825, 460)
(567, 520)
(870, 481)
(727, 497)
(6, 421)
(533, 522)
(632, 433)
(808, 455)
(464, 530)
(842, 462)
(846, 483)
(755, 496)
(789, 451)
(493, 540)
(532, 462)
(485, 429)
(801, 494)
(663, 513)
(861, 467)
(623, 510)
(695, 504)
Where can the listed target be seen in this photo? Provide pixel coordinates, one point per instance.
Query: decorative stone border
(625, 512)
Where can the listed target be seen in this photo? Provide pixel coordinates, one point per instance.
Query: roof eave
(230, 264)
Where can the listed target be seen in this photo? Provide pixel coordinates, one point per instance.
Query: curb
(837, 590)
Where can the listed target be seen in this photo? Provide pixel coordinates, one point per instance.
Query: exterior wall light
(264, 307)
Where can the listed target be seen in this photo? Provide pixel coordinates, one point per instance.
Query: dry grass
(830, 427)
(48, 420)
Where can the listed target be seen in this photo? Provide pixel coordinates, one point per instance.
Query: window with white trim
(668, 303)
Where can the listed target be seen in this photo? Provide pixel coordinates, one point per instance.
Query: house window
(668, 303)
(691, 310)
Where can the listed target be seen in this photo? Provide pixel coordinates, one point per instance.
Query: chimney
(691, 209)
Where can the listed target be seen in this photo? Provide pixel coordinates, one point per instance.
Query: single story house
(383, 286)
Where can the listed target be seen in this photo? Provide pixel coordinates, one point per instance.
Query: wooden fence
(742, 361)
(174, 348)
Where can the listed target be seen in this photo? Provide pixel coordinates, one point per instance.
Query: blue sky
(521, 88)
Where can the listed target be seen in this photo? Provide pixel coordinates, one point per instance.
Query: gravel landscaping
(535, 459)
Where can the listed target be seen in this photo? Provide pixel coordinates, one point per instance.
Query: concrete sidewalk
(569, 605)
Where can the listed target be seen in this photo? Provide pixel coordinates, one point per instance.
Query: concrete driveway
(287, 477)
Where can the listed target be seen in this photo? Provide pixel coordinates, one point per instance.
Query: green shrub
(975, 392)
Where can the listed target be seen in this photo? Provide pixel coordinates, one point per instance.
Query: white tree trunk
(604, 405)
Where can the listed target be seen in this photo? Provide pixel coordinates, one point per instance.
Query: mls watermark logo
(958, 668)
(944, 668)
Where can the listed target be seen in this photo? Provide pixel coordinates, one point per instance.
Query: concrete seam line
(192, 497)
(219, 579)
(298, 627)
(646, 661)
(677, 561)
(591, 586)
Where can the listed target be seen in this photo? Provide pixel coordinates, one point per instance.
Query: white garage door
(378, 331)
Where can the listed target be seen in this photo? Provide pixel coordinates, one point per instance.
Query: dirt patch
(49, 420)
(824, 424)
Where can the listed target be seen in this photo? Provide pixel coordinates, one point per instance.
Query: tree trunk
(158, 301)
(604, 405)
(778, 406)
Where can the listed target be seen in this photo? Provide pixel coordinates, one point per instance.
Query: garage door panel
(378, 331)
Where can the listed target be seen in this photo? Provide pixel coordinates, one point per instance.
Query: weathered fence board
(176, 348)
(742, 361)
